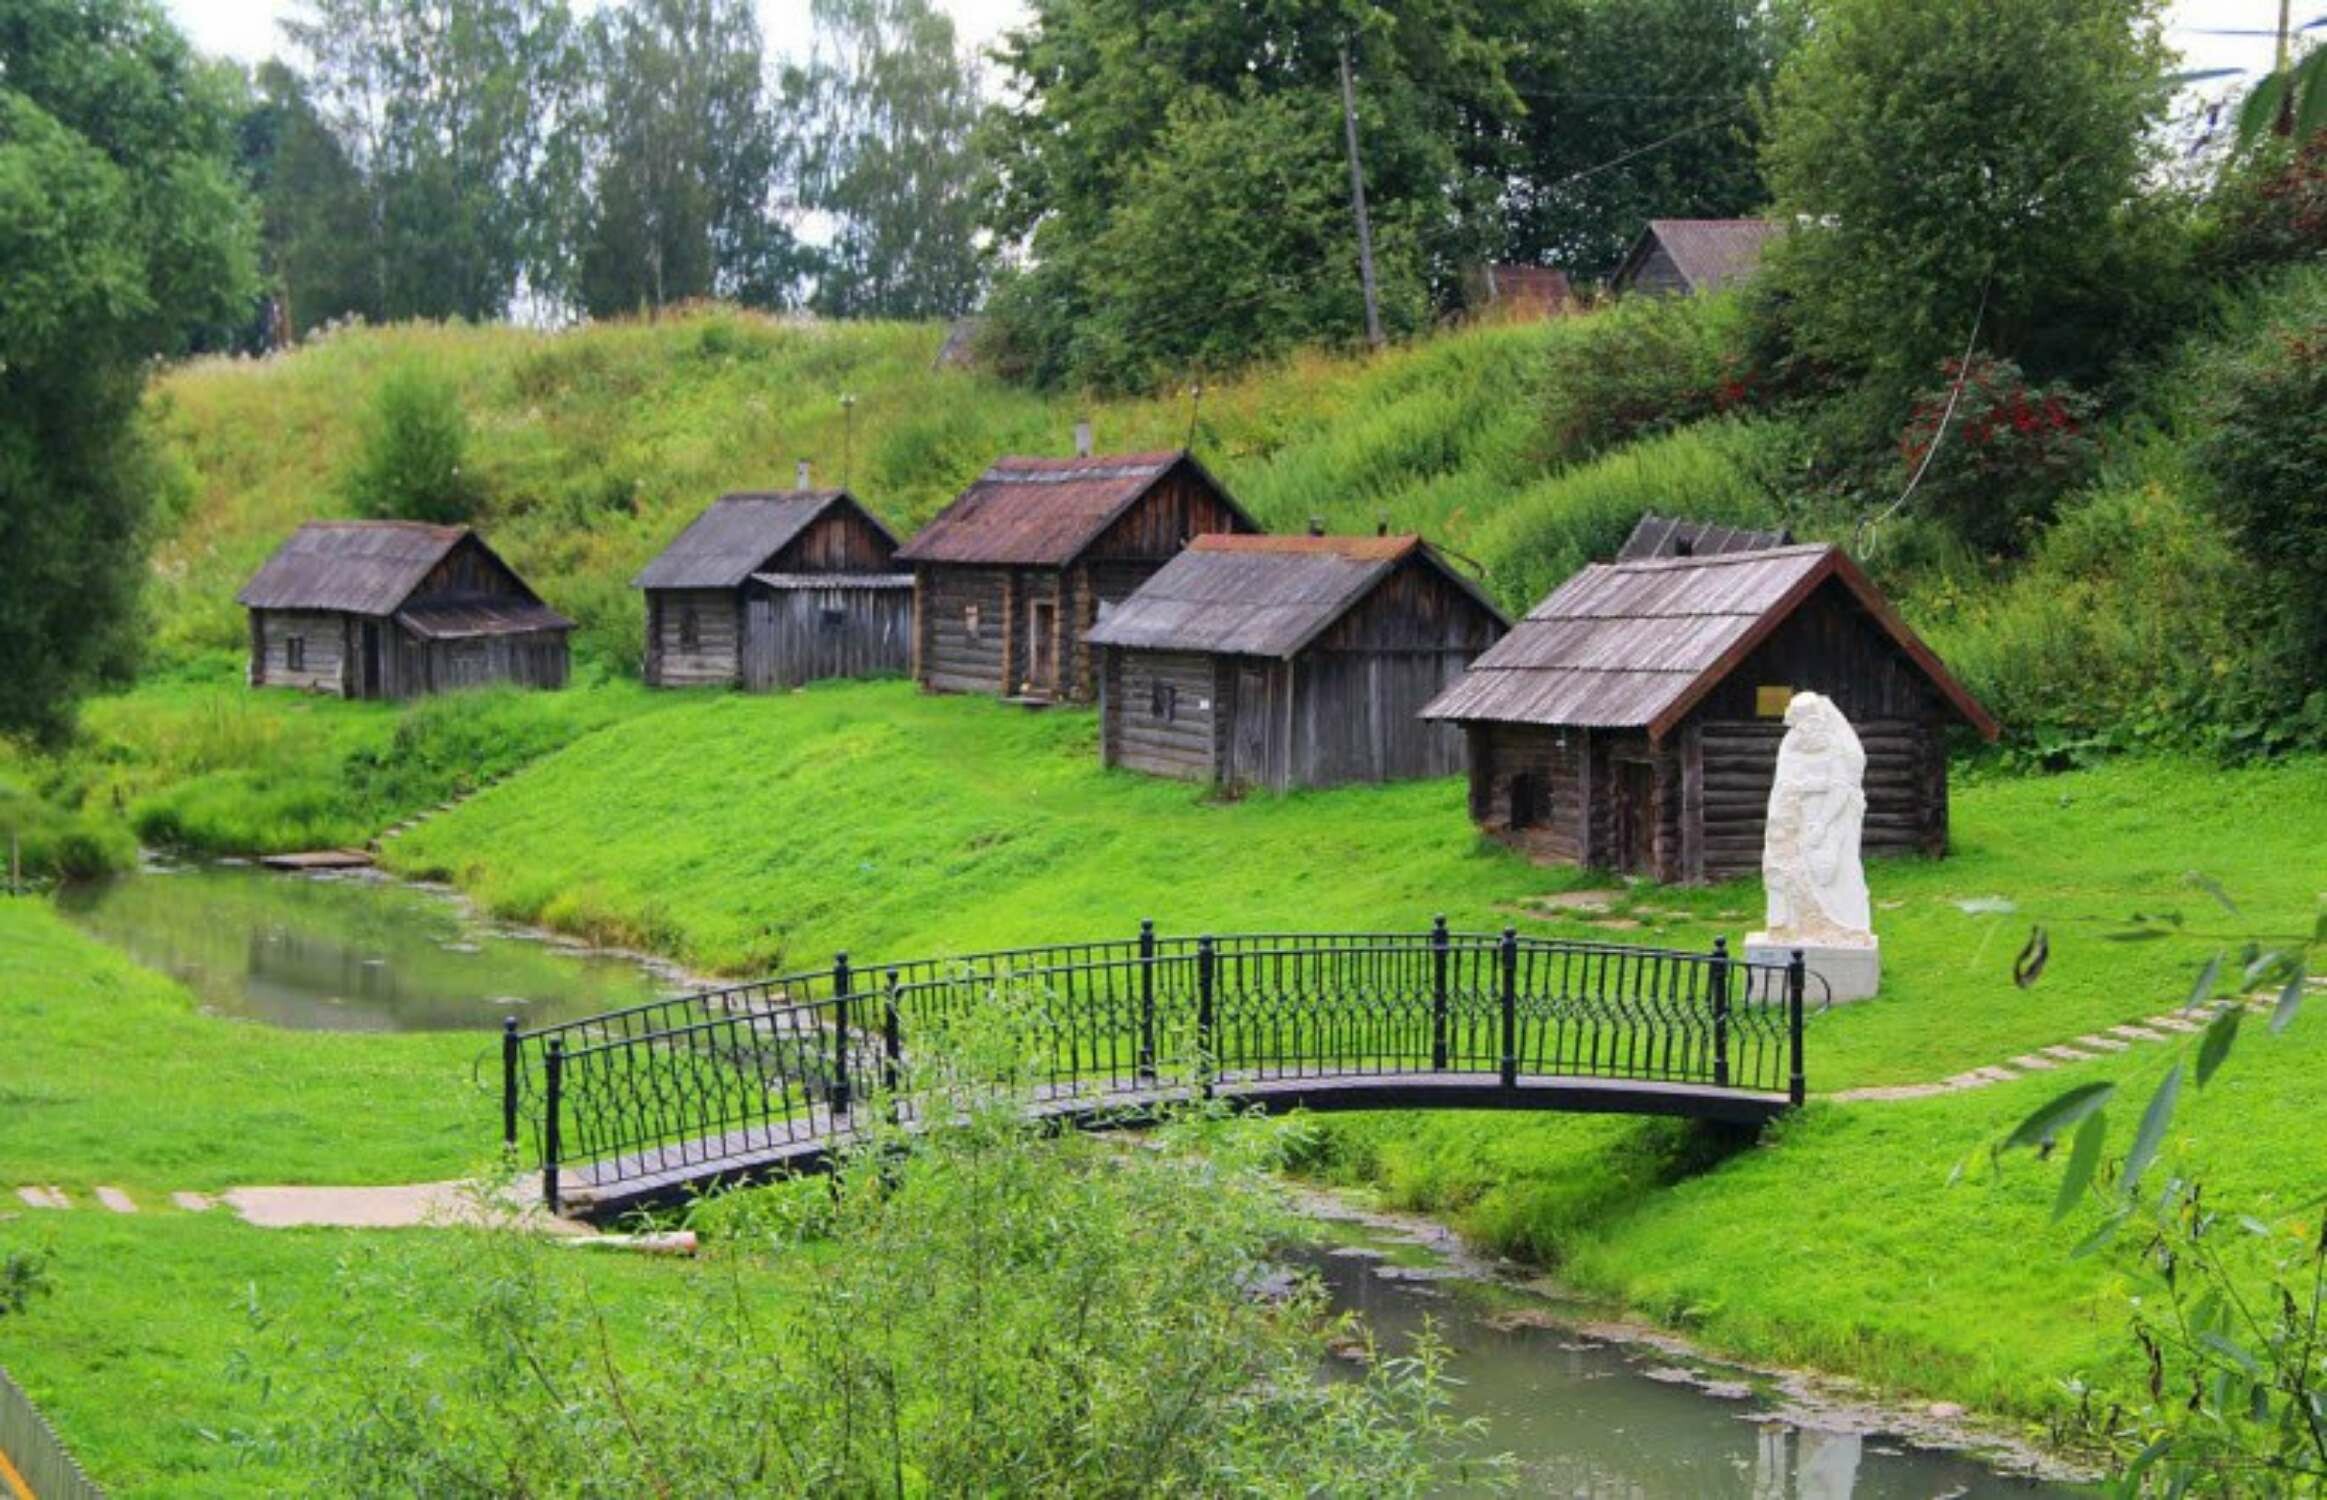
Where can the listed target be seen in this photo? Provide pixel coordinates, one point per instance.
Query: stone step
(117, 1200)
(43, 1197)
(2068, 1054)
(2031, 1062)
(2104, 1043)
(194, 1203)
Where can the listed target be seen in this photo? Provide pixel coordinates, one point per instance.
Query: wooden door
(1248, 751)
(370, 658)
(1635, 817)
(1042, 644)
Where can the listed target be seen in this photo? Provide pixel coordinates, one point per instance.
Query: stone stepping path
(2116, 1039)
(399, 1206)
(398, 830)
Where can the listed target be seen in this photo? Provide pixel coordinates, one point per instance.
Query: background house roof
(737, 535)
(1709, 253)
(1260, 595)
(1669, 536)
(362, 567)
(1635, 645)
(1042, 512)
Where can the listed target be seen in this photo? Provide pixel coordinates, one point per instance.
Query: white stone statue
(1810, 854)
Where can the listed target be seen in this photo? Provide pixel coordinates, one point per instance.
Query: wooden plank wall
(955, 659)
(1133, 737)
(536, 659)
(838, 541)
(468, 571)
(717, 657)
(1738, 762)
(326, 651)
(1500, 752)
(798, 635)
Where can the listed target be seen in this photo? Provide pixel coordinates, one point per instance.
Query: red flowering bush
(2272, 211)
(2005, 455)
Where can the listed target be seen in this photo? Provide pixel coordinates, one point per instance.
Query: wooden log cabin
(1284, 661)
(1009, 579)
(765, 591)
(1632, 720)
(1679, 257)
(397, 609)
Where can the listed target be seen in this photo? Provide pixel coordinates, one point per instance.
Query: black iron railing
(693, 1087)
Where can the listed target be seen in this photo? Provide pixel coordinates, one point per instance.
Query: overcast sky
(246, 28)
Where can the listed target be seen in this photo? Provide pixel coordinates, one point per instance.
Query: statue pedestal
(1852, 973)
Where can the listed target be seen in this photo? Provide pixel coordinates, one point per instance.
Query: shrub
(1642, 366)
(2262, 442)
(410, 466)
(2270, 210)
(2007, 454)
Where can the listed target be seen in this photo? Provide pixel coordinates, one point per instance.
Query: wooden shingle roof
(1261, 595)
(1042, 512)
(738, 535)
(1635, 645)
(1668, 536)
(361, 567)
(1708, 253)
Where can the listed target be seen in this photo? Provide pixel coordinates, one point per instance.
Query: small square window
(1770, 702)
(295, 653)
(833, 620)
(1163, 701)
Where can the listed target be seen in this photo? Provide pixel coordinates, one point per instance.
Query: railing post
(1207, 1057)
(509, 1064)
(1717, 980)
(1438, 957)
(1507, 952)
(892, 1041)
(839, 1094)
(553, 1086)
(1797, 976)
(1147, 1001)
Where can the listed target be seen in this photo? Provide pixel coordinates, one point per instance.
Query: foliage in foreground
(984, 1309)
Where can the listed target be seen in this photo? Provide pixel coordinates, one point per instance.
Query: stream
(1584, 1410)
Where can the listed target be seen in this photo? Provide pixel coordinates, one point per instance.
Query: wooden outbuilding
(1685, 256)
(1010, 577)
(1284, 661)
(1632, 720)
(396, 609)
(771, 590)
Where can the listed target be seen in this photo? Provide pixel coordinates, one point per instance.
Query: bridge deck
(805, 1143)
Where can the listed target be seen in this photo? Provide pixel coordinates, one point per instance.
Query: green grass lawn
(111, 1076)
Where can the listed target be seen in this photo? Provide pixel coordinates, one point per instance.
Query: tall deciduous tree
(884, 111)
(1107, 89)
(450, 111)
(684, 159)
(122, 230)
(1635, 109)
(1953, 161)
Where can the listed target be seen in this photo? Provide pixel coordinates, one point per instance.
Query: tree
(453, 111)
(1112, 91)
(1952, 162)
(683, 154)
(1636, 109)
(122, 231)
(885, 110)
(313, 224)
(410, 465)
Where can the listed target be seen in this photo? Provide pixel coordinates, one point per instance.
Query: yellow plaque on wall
(1770, 702)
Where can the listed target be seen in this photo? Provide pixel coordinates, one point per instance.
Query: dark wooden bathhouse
(1283, 661)
(1632, 720)
(1010, 577)
(1681, 256)
(396, 609)
(773, 590)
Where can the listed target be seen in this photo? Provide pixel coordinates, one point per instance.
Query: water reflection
(344, 953)
(1585, 1418)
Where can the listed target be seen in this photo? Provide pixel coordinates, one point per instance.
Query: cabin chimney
(800, 475)
(1317, 526)
(1083, 439)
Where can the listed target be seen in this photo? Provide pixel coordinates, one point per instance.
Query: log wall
(1180, 741)
(794, 635)
(325, 652)
(716, 658)
(959, 653)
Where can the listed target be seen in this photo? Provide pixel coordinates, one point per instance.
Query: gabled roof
(1709, 253)
(1668, 536)
(738, 535)
(1636, 645)
(1042, 512)
(361, 567)
(1262, 595)
(1546, 286)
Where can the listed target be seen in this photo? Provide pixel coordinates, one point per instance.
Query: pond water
(1587, 1413)
(349, 952)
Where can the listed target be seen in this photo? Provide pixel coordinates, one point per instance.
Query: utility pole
(1365, 233)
